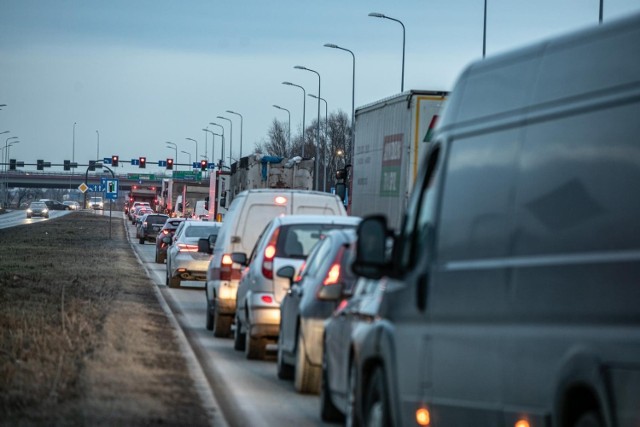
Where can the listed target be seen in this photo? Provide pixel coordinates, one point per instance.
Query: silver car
(286, 240)
(38, 209)
(184, 262)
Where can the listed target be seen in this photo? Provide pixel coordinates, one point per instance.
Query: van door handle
(422, 291)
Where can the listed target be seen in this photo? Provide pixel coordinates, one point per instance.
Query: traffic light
(203, 165)
(143, 162)
(12, 164)
(67, 165)
(92, 165)
(341, 174)
(114, 161)
(40, 165)
(169, 164)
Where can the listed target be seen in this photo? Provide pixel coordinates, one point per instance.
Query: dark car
(38, 209)
(149, 227)
(308, 303)
(168, 229)
(54, 205)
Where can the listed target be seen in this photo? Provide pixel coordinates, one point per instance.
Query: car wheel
(351, 418)
(28, 216)
(221, 324)
(158, 260)
(589, 419)
(307, 377)
(46, 216)
(376, 402)
(209, 316)
(141, 241)
(328, 411)
(174, 282)
(284, 370)
(238, 337)
(254, 348)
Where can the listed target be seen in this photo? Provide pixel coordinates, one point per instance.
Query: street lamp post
(189, 154)
(289, 113)
(213, 159)
(484, 30)
(7, 144)
(175, 147)
(238, 114)
(304, 108)
(380, 15)
(73, 149)
(230, 136)
(222, 151)
(196, 142)
(353, 90)
(324, 150)
(300, 67)
(98, 150)
(205, 144)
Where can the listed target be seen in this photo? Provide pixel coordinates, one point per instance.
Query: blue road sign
(111, 188)
(96, 188)
(135, 162)
(162, 163)
(106, 160)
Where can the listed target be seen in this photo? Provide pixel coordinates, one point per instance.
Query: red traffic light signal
(114, 161)
(203, 165)
(142, 162)
(169, 163)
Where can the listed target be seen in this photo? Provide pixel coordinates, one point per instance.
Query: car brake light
(226, 267)
(269, 255)
(183, 247)
(333, 275)
(267, 298)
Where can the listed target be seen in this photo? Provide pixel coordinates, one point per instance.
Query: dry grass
(82, 337)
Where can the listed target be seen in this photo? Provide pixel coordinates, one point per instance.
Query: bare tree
(277, 142)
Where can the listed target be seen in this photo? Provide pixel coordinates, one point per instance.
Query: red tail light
(333, 275)
(269, 255)
(267, 298)
(165, 232)
(183, 247)
(226, 267)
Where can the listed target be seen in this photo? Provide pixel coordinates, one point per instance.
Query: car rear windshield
(297, 240)
(200, 231)
(156, 219)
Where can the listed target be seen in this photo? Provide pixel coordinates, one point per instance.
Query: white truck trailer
(392, 136)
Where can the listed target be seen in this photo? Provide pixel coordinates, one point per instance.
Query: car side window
(254, 251)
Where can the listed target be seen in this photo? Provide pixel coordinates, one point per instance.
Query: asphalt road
(19, 217)
(248, 392)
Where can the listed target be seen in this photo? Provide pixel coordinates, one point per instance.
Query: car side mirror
(204, 246)
(371, 247)
(287, 272)
(239, 258)
(167, 240)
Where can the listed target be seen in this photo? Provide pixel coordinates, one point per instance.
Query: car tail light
(165, 232)
(269, 255)
(226, 267)
(267, 298)
(183, 247)
(333, 275)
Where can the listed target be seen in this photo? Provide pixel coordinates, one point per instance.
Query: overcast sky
(145, 72)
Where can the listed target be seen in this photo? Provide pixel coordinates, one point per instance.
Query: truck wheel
(221, 324)
(254, 348)
(376, 402)
(328, 411)
(238, 337)
(284, 370)
(307, 377)
(589, 419)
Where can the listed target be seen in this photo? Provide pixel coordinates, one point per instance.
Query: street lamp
(221, 127)
(324, 149)
(353, 89)
(213, 159)
(189, 154)
(289, 113)
(238, 114)
(230, 136)
(191, 139)
(380, 15)
(300, 67)
(304, 107)
(175, 147)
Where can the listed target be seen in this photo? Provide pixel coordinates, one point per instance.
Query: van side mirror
(239, 258)
(371, 247)
(204, 246)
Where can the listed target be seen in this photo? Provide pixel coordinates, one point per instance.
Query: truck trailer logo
(391, 162)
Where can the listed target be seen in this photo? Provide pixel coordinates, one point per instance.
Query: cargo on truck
(391, 136)
(143, 193)
(179, 197)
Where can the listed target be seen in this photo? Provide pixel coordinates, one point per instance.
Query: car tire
(254, 348)
(158, 260)
(28, 216)
(307, 377)
(46, 216)
(209, 316)
(221, 324)
(328, 411)
(174, 282)
(376, 401)
(351, 418)
(284, 370)
(141, 241)
(589, 419)
(238, 337)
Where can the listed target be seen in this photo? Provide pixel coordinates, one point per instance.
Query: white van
(248, 215)
(513, 294)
